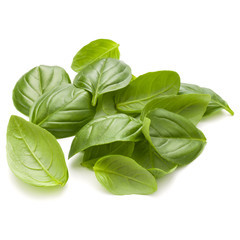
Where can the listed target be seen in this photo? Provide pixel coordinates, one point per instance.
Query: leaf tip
(230, 111)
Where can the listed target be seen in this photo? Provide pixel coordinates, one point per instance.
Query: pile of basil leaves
(129, 130)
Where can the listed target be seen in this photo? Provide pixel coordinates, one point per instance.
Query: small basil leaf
(145, 88)
(119, 127)
(174, 137)
(105, 75)
(191, 106)
(95, 50)
(34, 155)
(216, 103)
(63, 110)
(35, 83)
(122, 175)
(146, 156)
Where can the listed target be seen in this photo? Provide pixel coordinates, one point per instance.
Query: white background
(198, 39)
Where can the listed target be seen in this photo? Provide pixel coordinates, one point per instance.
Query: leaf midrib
(36, 158)
(58, 110)
(99, 81)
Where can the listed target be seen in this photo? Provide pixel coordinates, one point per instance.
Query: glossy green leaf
(174, 137)
(119, 127)
(216, 103)
(105, 75)
(146, 156)
(145, 88)
(122, 175)
(34, 155)
(191, 106)
(92, 154)
(95, 50)
(35, 83)
(106, 105)
(63, 110)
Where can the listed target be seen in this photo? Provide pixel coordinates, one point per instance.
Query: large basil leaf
(216, 103)
(146, 156)
(119, 127)
(35, 83)
(95, 50)
(145, 88)
(122, 175)
(174, 137)
(105, 75)
(92, 154)
(63, 110)
(191, 106)
(34, 155)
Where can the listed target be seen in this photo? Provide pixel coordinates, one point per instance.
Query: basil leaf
(216, 103)
(95, 50)
(119, 127)
(122, 175)
(191, 106)
(146, 156)
(174, 137)
(34, 155)
(35, 83)
(106, 105)
(63, 110)
(105, 75)
(145, 88)
(92, 154)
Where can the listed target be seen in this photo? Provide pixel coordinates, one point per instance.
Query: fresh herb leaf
(95, 50)
(105, 75)
(191, 106)
(174, 137)
(63, 110)
(146, 156)
(122, 175)
(34, 155)
(145, 88)
(216, 103)
(35, 83)
(119, 127)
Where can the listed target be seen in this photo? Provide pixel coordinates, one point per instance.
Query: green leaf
(145, 88)
(191, 106)
(119, 127)
(92, 154)
(34, 155)
(216, 103)
(146, 156)
(174, 137)
(106, 105)
(35, 83)
(105, 75)
(95, 50)
(63, 110)
(122, 175)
